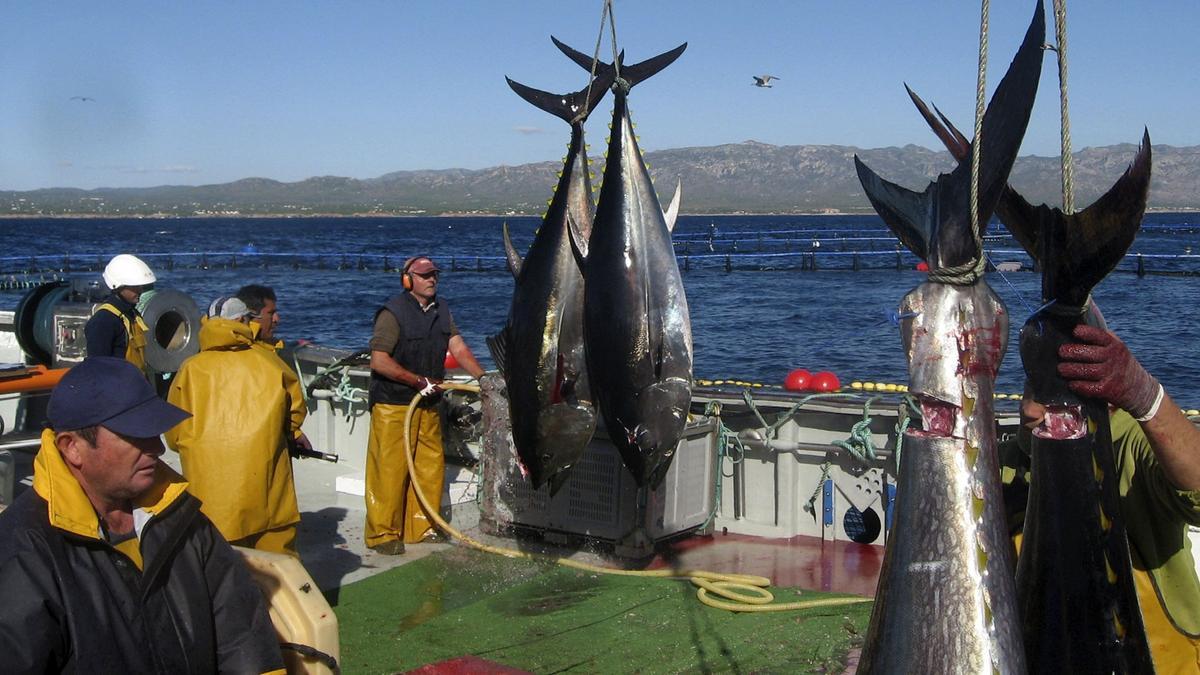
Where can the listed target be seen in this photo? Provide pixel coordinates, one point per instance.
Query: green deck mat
(545, 618)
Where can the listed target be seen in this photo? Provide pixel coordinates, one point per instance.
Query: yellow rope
(1068, 171)
(742, 592)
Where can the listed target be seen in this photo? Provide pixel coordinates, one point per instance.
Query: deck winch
(50, 320)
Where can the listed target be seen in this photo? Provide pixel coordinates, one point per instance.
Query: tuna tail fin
(1017, 214)
(672, 212)
(1078, 250)
(904, 211)
(571, 108)
(633, 74)
(942, 211)
(510, 251)
(498, 346)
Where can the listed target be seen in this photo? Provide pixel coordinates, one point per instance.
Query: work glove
(427, 387)
(1100, 366)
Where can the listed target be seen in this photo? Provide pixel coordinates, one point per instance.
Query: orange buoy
(922, 266)
(797, 380)
(451, 362)
(825, 381)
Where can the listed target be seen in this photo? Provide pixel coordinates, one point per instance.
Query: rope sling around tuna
(737, 592)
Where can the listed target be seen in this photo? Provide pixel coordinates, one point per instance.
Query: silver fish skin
(946, 600)
(540, 350)
(637, 329)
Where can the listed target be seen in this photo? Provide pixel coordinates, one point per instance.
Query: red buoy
(825, 381)
(451, 362)
(922, 266)
(797, 380)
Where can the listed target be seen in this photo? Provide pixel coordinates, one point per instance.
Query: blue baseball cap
(112, 393)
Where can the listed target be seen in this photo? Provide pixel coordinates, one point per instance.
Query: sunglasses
(428, 275)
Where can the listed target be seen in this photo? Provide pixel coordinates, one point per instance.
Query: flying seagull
(763, 80)
(82, 98)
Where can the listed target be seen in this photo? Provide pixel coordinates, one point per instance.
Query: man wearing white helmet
(116, 328)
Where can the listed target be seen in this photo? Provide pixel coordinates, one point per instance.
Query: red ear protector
(405, 275)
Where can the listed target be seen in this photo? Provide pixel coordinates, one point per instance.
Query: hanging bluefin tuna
(946, 600)
(636, 328)
(540, 349)
(1074, 578)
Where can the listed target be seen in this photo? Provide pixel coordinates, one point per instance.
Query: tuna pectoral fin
(672, 212)
(510, 251)
(571, 108)
(632, 74)
(1078, 250)
(905, 212)
(579, 242)
(498, 346)
(565, 429)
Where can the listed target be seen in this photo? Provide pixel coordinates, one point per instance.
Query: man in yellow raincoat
(264, 319)
(412, 334)
(234, 449)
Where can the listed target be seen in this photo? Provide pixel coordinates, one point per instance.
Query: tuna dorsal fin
(498, 346)
(632, 74)
(904, 211)
(672, 212)
(579, 243)
(514, 258)
(571, 108)
(1078, 250)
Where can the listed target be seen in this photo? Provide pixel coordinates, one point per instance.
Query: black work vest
(420, 349)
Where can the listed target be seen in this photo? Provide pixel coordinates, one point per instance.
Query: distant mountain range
(747, 177)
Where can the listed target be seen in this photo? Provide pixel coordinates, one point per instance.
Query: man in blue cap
(107, 564)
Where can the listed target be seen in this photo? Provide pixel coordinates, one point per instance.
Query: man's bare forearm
(1176, 444)
(383, 364)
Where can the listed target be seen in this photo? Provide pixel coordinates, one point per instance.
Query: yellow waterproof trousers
(278, 540)
(1173, 652)
(393, 511)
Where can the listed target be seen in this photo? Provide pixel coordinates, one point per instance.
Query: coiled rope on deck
(740, 592)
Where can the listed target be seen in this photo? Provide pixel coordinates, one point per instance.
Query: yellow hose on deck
(742, 592)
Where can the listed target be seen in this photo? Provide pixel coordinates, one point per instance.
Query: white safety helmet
(127, 270)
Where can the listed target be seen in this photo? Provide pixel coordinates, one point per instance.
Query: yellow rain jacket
(234, 448)
(299, 409)
(135, 349)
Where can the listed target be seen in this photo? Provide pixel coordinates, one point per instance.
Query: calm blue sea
(767, 293)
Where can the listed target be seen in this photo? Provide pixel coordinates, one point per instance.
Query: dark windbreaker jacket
(73, 603)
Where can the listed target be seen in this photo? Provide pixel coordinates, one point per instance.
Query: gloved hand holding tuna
(1101, 366)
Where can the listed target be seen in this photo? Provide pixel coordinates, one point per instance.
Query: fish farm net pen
(19, 272)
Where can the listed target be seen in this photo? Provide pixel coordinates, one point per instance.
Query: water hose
(740, 592)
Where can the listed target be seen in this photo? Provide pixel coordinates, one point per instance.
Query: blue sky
(208, 92)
